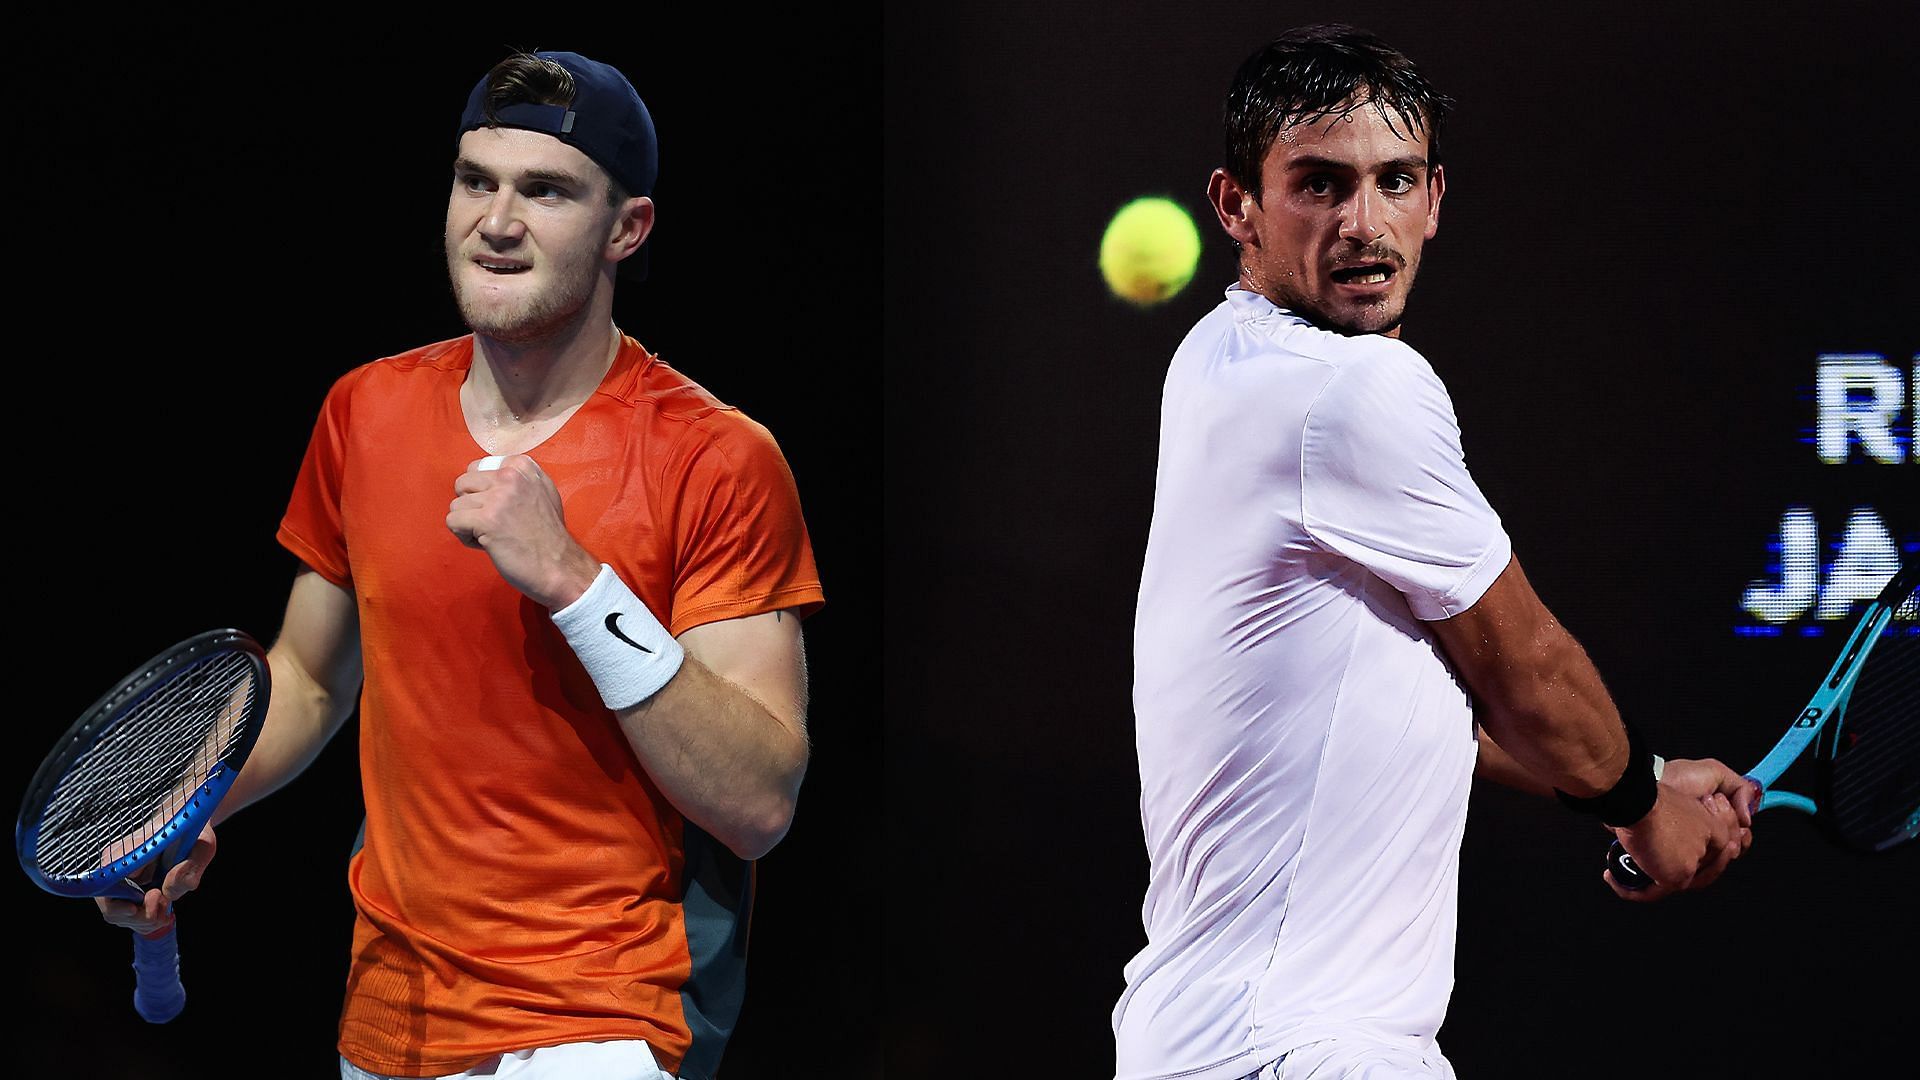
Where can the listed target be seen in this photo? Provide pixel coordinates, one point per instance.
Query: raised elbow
(754, 840)
(762, 825)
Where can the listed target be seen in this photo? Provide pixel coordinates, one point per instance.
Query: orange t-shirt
(521, 882)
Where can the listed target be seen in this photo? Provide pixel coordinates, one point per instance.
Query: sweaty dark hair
(535, 80)
(1321, 72)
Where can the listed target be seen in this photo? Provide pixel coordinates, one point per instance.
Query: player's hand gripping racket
(136, 778)
(1864, 725)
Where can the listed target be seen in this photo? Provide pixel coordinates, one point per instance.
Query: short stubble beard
(528, 319)
(1274, 289)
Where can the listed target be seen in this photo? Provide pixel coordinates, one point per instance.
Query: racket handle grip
(1625, 871)
(157, 994)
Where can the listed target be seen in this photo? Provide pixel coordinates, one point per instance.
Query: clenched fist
(514, 514)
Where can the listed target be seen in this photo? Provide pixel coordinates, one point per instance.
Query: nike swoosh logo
(623, 637)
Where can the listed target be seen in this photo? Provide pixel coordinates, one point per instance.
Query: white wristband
(623, 647)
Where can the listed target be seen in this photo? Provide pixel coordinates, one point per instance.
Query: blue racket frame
(1829, 699)
(1820, 709)
(158, 993)
(115, 879)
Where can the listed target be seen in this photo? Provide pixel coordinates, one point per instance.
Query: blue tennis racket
(1864, 726)
(129, 787)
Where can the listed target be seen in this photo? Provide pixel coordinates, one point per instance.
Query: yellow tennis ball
(1149, 251)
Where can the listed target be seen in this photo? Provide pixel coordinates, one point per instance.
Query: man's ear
(1234, 206)
(1436, 187)
(631, 228)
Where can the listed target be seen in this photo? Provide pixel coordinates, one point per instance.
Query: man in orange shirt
(573, 581)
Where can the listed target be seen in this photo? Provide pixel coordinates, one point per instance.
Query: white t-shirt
(1305, 751)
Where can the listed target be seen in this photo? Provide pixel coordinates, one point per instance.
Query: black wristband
(1631, 797)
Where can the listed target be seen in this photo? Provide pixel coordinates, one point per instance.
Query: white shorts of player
(624, 1059)
(1358, 1059)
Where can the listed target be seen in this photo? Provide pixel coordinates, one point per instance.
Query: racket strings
(1873, 777)
(154, 760)
(146, 766)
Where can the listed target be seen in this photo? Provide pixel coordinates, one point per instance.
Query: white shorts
(624, 1059)
(1359, 1059)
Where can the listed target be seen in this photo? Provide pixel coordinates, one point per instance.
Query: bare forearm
(724, 739)
(1537, 692)
(301, 717)
(1548, 709)
(726, 760)
(1495, 764)
(1552, 721)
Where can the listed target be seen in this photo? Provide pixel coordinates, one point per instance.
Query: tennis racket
(132, 783)
(1864, 725)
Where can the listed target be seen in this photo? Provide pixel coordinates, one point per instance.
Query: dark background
(208, 228)
(1654, 224)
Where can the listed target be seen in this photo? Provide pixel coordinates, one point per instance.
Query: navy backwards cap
(607, 120)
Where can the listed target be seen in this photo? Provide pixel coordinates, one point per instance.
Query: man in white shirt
(1324, 584)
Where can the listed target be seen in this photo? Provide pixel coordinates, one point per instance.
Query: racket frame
(1828, 700)
(115, 879)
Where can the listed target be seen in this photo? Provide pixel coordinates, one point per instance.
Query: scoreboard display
(1837, 545)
